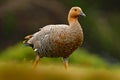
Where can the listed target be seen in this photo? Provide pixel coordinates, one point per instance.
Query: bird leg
(36, 61)
(65, 62)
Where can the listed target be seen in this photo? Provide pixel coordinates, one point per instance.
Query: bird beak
(82, 14)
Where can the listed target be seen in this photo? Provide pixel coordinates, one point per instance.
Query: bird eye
(75, 9)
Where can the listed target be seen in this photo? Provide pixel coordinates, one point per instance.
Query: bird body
(58, 40)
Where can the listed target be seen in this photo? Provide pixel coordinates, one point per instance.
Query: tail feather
(26, 39)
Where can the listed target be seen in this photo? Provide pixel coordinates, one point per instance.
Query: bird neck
(74, 24)
(72, 20)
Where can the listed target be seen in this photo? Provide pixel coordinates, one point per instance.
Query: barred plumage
(58, 40)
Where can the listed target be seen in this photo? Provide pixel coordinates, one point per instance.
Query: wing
(47, 30)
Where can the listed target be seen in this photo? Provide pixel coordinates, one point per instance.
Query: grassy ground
(81, 57)
(16, 64)
(24, 71)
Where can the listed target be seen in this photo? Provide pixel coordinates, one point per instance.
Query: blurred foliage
(16, 64)
(9, 22)
(19, 53)
(20, 71)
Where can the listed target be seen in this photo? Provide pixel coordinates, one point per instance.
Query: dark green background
(101, 26)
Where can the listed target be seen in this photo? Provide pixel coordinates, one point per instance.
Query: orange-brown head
(74, 13)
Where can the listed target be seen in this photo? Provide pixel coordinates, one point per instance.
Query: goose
(58, 40)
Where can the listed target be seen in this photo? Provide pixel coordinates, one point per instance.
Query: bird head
(75, 12)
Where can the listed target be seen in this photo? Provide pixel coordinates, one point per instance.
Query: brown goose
(58, 40)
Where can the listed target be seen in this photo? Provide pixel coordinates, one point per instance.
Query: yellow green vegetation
(20, 53)
(24, 71)
(16, 64)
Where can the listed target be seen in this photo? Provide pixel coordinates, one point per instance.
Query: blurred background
(101, 27)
